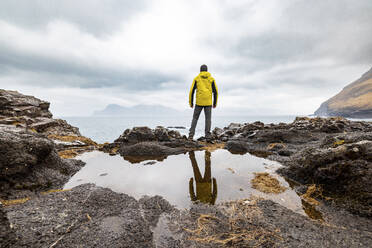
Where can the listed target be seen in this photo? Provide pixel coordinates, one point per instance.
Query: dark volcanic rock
(141, 134)
(150, 143)
(334, 153)
(29, 161)
(343, 171)
(13, 103)
(153, 149)
(28, 111)
(33, 114)
(90, 216)
(87, 216)
(7, 236)
(137, 134)
(237, 147)
(55, 127)
(153, 208)
(261, 224)
(301, 133)
(297, 231)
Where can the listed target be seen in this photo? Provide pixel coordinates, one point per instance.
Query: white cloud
(264, 55)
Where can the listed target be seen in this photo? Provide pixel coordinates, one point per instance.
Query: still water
(210, 177)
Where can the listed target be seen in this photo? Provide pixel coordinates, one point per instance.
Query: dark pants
(208, 116)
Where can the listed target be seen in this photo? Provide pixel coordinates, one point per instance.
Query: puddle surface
(181, 179)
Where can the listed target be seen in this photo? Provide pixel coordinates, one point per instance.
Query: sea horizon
(108, 128)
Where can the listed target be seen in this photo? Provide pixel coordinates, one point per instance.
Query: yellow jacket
(204, 85)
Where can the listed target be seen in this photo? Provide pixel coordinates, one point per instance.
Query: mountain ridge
(354, 100)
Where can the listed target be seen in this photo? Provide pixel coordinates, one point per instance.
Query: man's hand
(214, 106)
(191, 106)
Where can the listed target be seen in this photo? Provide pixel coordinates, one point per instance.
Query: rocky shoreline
(327, 160)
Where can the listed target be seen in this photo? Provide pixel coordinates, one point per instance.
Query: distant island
(137, 110)
(354, 101)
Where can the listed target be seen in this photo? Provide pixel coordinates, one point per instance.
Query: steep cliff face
(355, 100)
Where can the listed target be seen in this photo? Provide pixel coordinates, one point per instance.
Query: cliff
(30, 114)
(354, 101)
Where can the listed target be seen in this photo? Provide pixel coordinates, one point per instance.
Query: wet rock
(7, 236)
(301, 131)
(142, 134)
(136, 135)
(276, 146)
(344, 172)
(217, 132)
(92, 216)
(256, 223)
(86, 216)
(283, 136)
(297, 231)
(153, 207)
(161, 134)
(29, 161)
(149, 149)
(150, 143)
(238, 147)
(285, 152)
(329, 125)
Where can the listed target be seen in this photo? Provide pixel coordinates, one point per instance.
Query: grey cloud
(342, 28)
(277, 47)
(313, 82)
(309, 30)
(93, 16)
(90, 76)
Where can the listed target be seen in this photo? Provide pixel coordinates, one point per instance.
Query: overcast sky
(268, 57)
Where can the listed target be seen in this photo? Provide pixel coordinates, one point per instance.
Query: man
(204, 85)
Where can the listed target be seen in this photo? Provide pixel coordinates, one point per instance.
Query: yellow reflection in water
(206, 187)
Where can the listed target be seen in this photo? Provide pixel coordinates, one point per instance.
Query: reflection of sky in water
(170, 178)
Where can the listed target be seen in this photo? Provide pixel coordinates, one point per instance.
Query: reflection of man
(204, 191)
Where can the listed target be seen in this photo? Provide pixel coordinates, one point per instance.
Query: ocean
(107, 129)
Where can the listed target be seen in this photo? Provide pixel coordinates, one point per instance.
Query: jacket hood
(204, 74)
